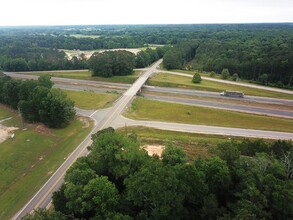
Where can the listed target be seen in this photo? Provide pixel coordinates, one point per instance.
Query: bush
(225, 74)
(196, 78)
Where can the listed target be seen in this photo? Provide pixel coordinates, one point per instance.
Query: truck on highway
(232, 94)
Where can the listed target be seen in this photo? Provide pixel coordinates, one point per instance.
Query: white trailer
(232, 94)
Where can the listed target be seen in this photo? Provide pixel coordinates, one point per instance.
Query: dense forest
(118, 180)
(257, 52)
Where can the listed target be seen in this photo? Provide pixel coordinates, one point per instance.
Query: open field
(84, 36)
(87, 75)
(91, 100)
(145, 109)
(89, 53)
(168, 80)
(193, 144)
(29, 159)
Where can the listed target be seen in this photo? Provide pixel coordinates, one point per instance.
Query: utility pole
(21, 119)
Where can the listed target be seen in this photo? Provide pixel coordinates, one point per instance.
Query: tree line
(121, 62)
(260, 56)
(118, 180)
(257, 52)
(37, 101)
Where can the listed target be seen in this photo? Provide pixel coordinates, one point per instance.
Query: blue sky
(70, 12)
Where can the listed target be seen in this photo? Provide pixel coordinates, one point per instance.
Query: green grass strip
(146, 109)
(169, 80)
(91, 100)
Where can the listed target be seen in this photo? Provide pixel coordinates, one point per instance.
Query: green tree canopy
(112, 63)
(196, 78)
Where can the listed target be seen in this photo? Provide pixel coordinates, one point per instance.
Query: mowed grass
(87, 75)
(28, 160)
(91, 100)
(169, 80)
(146, 109)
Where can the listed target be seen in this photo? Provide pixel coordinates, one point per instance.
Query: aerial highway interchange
(113, 117)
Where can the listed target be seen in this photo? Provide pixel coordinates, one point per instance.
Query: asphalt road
(122, 121)
(216, 95)
(230, 82)
(43, 197)
(112, 117)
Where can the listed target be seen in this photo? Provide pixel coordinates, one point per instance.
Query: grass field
(146, 109)
(168, 80)
(84, 36)
(194, 145)
(91, 100)
(28, 160)
(87, 75)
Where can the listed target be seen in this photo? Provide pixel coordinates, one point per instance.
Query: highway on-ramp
(112, 117)
(43, 197)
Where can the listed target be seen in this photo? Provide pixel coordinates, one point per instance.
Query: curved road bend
(240, 132)
(43, 197)
(230, 82)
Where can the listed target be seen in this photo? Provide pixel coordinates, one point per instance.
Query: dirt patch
(154, 149)
(6, 132)
(42, 129)
(86, 122)
(88, 54)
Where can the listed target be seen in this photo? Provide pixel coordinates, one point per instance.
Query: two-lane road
(43, 197)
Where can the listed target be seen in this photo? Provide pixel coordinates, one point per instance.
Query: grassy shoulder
(91, 100)
(194, 145)
(169, 80)
(29, 159)
(146, 109)
(87, 75)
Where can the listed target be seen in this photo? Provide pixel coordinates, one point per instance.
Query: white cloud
(52, 12)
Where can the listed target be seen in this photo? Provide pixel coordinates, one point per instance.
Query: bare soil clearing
(154, 149)
(6, 132)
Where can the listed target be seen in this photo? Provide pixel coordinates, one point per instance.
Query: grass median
(87, 75)
(31, 157)
(169, 80)
(146, 109)
(91, 100)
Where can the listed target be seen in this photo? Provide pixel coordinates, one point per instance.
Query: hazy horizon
(127, 12)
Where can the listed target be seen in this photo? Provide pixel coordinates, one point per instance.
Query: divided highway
(112, 117)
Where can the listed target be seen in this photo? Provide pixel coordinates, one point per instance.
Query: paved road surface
(216, 95)
(230, 82)
(224, 106)
(43, 197)
(240, 132)
(111, 117)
